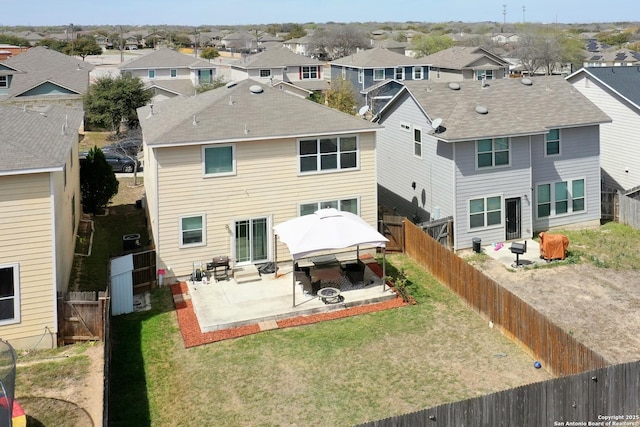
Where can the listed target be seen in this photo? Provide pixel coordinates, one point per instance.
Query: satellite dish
(436, 123)
(363, 110)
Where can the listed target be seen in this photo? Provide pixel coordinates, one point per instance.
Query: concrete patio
(226, 304)
(502, 252)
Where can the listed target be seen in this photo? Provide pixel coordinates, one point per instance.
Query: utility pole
(121, 46)
(523, 14)
(195, 42)
(71, 38)
(504, 17)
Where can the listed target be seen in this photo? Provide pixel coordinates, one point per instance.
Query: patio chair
(308, 287)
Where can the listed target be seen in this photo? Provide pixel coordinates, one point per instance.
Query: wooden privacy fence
(629, 211)
(559, 351)
(82, 316)
(583, 399)
(144, 271)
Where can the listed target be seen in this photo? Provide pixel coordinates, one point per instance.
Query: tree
(209, 53)
(338, 42)
(83, 47)
(297, 31)
(14, 40)
(341, 96)
(544, 48)
(57, 45)
(98, 183)
(424, 45)
(111, 101)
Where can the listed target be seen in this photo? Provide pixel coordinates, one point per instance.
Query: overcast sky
(240, 12)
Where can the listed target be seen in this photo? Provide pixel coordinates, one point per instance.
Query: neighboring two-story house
(616, 91)
(41, 77)
(376, 74)
(40, 205)
(504, 158)
(169, 73)
(274, 66)
(460, 63)
(225, 166)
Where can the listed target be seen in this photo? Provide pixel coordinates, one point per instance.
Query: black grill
(518, 249)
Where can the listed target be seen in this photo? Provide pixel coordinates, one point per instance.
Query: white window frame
(485, 213)
(554, 201)
(399, 73)
(360, 75)
(151, 74)
(308, 72)
(417, 73)
(378, 70)
(547, 141)
(265, 73)
(331, 203)
(173, 73)
(493, 152)
(16, 294)
(488, 74)
(4, 81)
(318, 155)
(344, 73)
(203, 230)
(417, 145)
(218, 174)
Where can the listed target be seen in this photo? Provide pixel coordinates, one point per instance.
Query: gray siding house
(466, 63)
(505, 158)
(616, 91)
(375, 74)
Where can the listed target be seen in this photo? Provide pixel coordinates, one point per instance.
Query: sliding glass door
(252, 240)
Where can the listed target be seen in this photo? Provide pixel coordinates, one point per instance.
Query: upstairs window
(552, 143)
(173, 73)
(265, 73)
(417, 142)
(328, 154)
(378, 74)
(360, 75)
(310, 72)
(3, 81)
(399, 73)
(219, 160)
(151, 74)
(484, 74)
(417, 73)
(492, 152)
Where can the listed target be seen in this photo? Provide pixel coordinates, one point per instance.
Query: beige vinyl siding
(26, 221)
(266, 184)
(150, 189)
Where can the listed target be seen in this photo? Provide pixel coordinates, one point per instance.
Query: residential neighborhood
(151, 177)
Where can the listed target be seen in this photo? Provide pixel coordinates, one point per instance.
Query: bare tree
(337, 42)
(546, 49)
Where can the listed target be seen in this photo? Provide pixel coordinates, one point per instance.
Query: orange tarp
(553, 246)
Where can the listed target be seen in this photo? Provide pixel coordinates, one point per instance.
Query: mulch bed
(193, 336)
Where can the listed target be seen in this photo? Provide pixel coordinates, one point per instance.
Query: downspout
(54, 257)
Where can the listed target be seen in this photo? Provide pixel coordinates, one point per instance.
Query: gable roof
(177, 86)
(237, 112)
(462, 57)
(164, 58)
(513, 107)
(40, 65)
(276, 58)
(36, 141)
(378, 57)
(625, 81)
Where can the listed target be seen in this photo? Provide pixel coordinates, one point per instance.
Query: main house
(225, 166)
(376, 74)
(40, 205)
(616, 91)
(41, 77)
(503, 158)
(169, 73)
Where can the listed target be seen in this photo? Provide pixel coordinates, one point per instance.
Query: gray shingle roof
(39, 65)
(235, 113)
(164, 58)
(513, 108)
(624, 80)
(178, 86)
(34, 141)
(461, 57)
(378, 57)
(273, 58)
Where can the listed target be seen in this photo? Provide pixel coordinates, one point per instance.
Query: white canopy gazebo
(324, 230)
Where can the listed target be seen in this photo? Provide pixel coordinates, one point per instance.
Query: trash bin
(476, 244)
(130, 242)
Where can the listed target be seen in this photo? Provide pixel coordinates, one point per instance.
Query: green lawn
(335, 373)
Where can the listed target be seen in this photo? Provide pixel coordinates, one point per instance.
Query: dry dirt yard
(600, 307)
